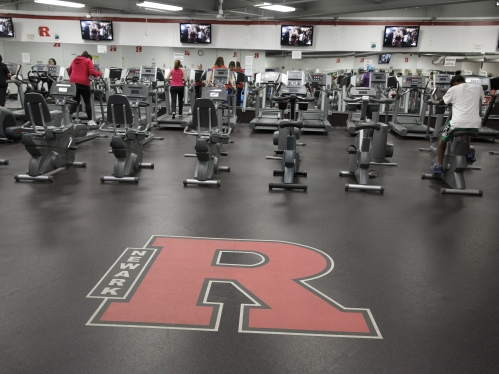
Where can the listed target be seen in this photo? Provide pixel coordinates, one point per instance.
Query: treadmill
(485, 133)
(410, 125)
(221, 78)
(267, 118)
(166, 121)
(353, 117)
(15, 70)
(196, 76)
(316, 120)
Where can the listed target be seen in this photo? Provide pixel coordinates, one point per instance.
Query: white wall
(159, 41)
(491, 67)
(125, 56)
(439, 39)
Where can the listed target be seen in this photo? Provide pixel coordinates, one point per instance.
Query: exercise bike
(127, 143)
(454, 163)
(209, 139)
(52, 149)
(290, 166)
(280, 136)
(360, 154)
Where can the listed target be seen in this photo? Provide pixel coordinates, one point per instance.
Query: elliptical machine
(127, 143)
(360, 154)
(52, 149)
(290, 157)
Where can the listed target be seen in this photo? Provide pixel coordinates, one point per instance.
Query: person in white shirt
(466, 100)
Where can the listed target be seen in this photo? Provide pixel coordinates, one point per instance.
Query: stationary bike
(454, 163)
(127, 142)
(280, 136)
(52, 149)
(290, 157)
(360, 154)
(209, 139)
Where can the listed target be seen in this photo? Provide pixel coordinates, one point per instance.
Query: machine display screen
(413, 81)
(401, 36)
(96, 30)
(297, 35)
(6, 27)
(135, 92)
(195, 33)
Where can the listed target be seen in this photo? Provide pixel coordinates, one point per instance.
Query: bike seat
(458, 133)
(287, 123)
(144, 104)
(367, 126)
(223, 106)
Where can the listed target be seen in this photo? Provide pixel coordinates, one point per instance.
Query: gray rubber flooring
(424, 264)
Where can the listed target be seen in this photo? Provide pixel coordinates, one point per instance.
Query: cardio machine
(412, 99)
(485, 133)
(209, 136)
(357, 93)
(454, 163)
(166, 120)
(267, 118)
(127, 142)
(280, 136)
(290, 166)
(316, 120)
(371, 139)
(196, 76)
(52, 149)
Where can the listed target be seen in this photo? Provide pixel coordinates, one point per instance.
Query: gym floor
(424, 265)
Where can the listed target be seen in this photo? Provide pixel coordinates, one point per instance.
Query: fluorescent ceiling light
(263, 4)
(156, 10)
(151, 5)
(69, 4)
(278, 8)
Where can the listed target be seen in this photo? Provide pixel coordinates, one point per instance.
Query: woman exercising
(81, 68)
(177, 78)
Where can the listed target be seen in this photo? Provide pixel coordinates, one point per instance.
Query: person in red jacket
(81, 68)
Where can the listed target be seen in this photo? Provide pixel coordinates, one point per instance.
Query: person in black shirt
(4, 75)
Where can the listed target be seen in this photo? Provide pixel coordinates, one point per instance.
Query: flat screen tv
(195, 33)
(401, 36)
(6, 27)
(385, 59)
(96, 30)
(297, 35)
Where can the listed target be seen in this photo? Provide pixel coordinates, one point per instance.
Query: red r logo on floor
(167, 284)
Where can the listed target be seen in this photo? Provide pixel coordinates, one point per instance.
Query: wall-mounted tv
(401, 36)
(385, 59)
(195, 33)
(297, 35)
(6, 27)
(96, 30)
